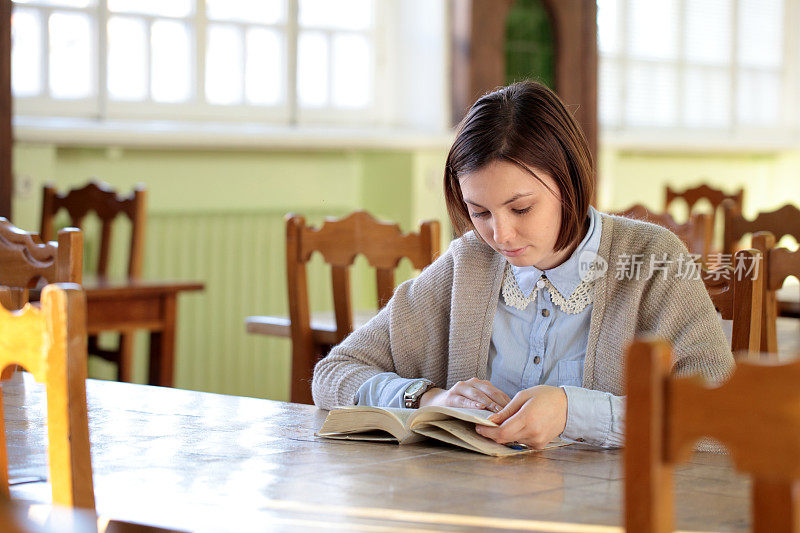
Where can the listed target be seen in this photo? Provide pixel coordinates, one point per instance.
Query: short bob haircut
(528, 125)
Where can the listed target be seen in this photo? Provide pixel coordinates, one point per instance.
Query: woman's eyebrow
(510, 200)
(517, 197)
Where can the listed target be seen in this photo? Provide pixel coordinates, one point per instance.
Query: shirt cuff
(383, 390)
(594, 417)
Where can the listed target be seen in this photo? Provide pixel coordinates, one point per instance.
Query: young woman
(530, 311)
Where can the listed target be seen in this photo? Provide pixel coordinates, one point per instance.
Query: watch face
(416, 387)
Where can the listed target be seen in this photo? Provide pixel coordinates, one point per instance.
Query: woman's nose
(503, 231)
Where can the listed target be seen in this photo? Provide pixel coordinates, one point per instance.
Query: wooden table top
(199, 461)
(97, 287)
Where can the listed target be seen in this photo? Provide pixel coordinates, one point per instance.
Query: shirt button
(537, 360)
(545, 312)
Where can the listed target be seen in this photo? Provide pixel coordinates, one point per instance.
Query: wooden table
(198, 461)
(129, 305)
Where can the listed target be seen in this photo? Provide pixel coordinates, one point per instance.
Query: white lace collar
(581, 297)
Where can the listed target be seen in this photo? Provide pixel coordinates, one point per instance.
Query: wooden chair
(781, 222)
(51, 344)
(702, 192)
(25, 260)
(779, 264)
(737, 293)
(339, 241)
(755, 414)
(696, 233)
(692, 196)
(101, 199)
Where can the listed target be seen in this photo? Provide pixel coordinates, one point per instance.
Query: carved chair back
(25, 260)
(696, 233)
(99, 198)
(754, 414)
(737, 292)
(779, 264)
(50, 343)
(702, 192)
(781, 222)
(339, 241)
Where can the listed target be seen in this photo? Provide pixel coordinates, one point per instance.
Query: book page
(435, 412)
(358, 419)
(461, 433)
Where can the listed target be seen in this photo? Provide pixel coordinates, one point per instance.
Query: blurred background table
(131, 304)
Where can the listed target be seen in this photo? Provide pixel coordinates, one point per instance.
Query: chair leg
(125, 363)
(776, 505)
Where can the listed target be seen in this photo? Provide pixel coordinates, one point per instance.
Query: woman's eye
(522, 211)
(481, 214)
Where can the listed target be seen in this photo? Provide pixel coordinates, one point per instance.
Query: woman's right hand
(473, 393)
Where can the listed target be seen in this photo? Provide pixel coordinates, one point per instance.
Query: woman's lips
(514, 253)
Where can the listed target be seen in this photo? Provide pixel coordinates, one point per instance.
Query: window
(712, 66)
(279, 61)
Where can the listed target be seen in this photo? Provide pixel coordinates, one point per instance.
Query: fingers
(484, 392)
(510, 409)
(476, 397)
(512, 430)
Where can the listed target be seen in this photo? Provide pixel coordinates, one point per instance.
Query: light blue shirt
(543, 345)
(558, 340)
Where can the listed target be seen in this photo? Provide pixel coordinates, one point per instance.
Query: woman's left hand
(533, 417)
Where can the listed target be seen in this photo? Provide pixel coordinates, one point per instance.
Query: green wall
(217, 216)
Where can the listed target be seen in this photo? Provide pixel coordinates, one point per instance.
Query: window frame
(785, 133)
(101, 107)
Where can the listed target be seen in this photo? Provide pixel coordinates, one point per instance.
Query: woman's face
(515, 213)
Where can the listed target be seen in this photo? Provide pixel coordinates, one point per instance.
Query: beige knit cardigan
(438, 325)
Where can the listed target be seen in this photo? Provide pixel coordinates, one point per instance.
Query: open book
(453, 425)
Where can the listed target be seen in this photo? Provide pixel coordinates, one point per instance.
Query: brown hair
(528, 125)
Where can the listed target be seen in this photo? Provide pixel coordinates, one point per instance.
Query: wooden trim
(6, 110)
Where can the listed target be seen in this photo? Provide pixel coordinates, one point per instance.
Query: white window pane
(609, 88)
(760, 33)
(71, 64)
(708, 31)
(26, 52)
(352, 71)
(171, 60)
(265, 70)
(339, 14)
(653, 29)
(224, 65)
(262, 11)
(707, 97)
(60, 3)
(758, 98)
(127, 58)
(312, 69)
(608, 26)
(166, 8)
(651, 96)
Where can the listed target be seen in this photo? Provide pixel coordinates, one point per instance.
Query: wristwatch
(415, 391)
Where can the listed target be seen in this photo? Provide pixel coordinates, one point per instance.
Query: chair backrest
(703, 192)
(737, 292)
(696, 233)
(25, 260)
(779, 264)
(101, 199)
(340, 241)
(754, 414)
(51, 344)
(783, 221)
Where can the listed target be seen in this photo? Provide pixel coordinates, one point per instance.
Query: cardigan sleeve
(398, 339)
(676, 306)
